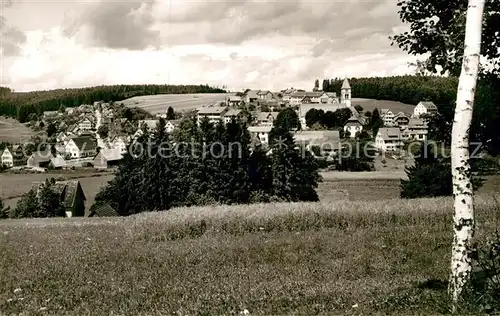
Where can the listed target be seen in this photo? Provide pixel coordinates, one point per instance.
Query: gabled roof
(400, 115)
(389, 133)
(58, 162)
(311, 94)
(174, 122)
(65, 189)
(353, 121)
(41, 156)
(319, 138)
(264, 116)
(345, 84)
(416, 122)
(263, 92)
(103, 210)
(429, 105)
(113, 154)
(218, 110)
(233, 112)
(85, 142)
(252, 94)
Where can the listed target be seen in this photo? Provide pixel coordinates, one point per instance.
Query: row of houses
(294, 97)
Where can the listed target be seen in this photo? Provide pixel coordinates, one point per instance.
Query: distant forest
(20, 105)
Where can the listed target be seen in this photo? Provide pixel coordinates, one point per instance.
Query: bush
(483, 292)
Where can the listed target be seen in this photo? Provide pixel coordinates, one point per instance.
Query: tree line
(21, 105)
(442, 91)
(209, 164)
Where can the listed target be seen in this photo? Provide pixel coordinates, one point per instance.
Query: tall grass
(297, 258)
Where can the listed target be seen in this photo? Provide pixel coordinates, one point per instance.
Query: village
(97, 135)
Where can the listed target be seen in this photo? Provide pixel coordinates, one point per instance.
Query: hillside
(307, 258)
(21, 105)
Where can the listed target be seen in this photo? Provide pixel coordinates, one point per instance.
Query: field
(11, 131)
(343, 258)
(394, 106)
(179, 102)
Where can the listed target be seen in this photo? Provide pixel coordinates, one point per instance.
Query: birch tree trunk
(461, 262)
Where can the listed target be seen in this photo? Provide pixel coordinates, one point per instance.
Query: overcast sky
(47, 44)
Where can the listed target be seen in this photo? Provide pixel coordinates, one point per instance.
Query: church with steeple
(345, 93)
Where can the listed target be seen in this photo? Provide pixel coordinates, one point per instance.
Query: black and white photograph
(249, 157)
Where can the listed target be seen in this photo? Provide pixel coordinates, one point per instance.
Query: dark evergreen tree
(428, 177)
(51, 129)
(376, 122)
(295, 173)
(170, 113)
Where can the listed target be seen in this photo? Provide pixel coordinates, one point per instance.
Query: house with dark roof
(232, 114)
(81, 147)
(389, 139)
(266, 118)
(353, 126)
(71, 196)
(425, 107)
(417, 129)
(102, 210)
(401, 119)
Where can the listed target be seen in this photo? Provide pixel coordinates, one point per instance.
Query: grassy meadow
(11, 131)
(376, 257)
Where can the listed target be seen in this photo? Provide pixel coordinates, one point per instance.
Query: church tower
(345, 93)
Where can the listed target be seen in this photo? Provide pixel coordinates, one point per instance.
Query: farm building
(234, 100)
(71, 196)
(81, 146)
(39, 159)
(102, 210)
(57, 163)
(107, 158)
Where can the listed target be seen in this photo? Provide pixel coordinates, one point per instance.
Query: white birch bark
(463, 218)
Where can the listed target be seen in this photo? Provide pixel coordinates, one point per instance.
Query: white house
(266, 118)
(234, 100)
(81, 147)
(265, 95)
(171, 125)
(214, 114)
(353, 126)
(120, 143)
(417, 129)
(260, 132)
(85, 124)
(389, 139)
(387, 117)
(287, 93)
(7, 159)
(425, 107)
